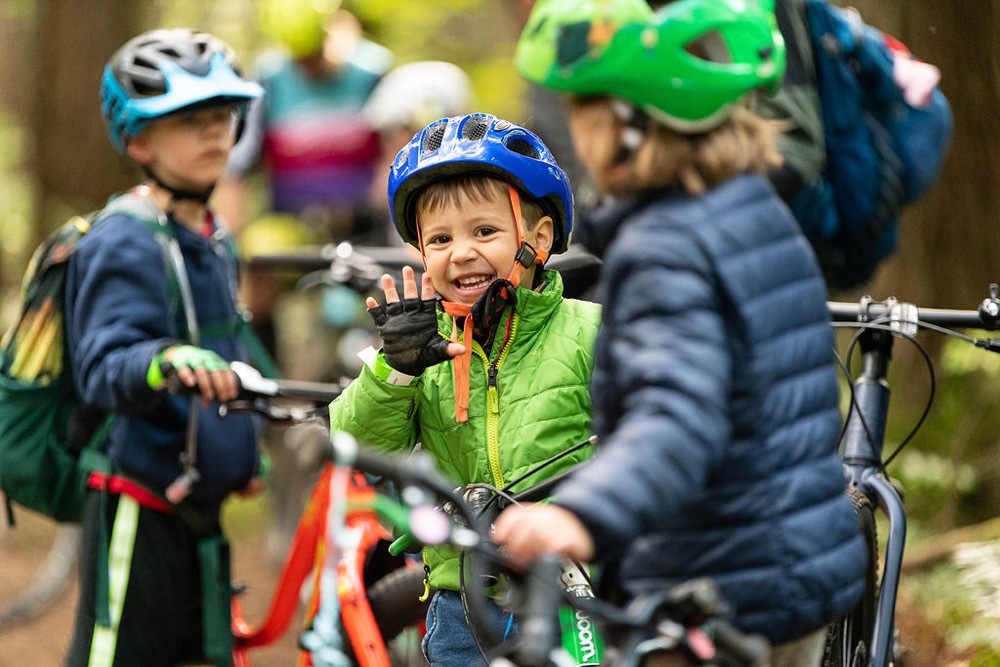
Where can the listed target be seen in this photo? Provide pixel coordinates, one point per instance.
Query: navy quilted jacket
(119, 316)
(716, 399)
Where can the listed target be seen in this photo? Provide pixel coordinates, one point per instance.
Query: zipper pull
(492, 392)
(427, 585)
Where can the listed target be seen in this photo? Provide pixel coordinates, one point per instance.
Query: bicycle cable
(881, 325)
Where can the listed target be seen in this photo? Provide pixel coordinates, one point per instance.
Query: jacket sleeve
(666, 353)
(118, 314)
(377, 413)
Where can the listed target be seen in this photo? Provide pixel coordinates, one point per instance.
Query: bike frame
(362, 531)
(862, 460)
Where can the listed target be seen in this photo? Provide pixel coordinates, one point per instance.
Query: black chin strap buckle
(526, 255)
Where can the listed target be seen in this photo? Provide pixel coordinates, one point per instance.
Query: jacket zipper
(493, 405)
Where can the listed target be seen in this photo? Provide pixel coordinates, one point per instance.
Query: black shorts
(161, 621)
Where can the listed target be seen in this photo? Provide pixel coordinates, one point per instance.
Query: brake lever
(251, 382)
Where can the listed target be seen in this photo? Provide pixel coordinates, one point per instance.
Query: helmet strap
(178, 194)
(526, 255)
(636, 123)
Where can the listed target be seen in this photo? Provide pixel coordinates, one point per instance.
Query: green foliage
(228, 19)
(946, 470)
(951, 596)
(15, 204)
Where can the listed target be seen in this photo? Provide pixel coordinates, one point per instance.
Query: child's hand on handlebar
(194, 367)
(528, 531)
(408, 326)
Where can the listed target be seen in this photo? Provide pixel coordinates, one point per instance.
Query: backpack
(881, 152)
(44, 459)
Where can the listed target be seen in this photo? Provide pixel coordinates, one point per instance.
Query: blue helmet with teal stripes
(167, 70)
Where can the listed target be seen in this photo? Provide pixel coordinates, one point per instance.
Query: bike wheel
(849, 640)
(395, 601)
(46, 586)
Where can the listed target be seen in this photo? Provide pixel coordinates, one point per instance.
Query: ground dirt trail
(43, 641)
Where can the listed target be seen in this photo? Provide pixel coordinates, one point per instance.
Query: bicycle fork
(864, 439)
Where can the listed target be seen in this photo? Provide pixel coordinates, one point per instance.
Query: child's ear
(138, 149)
(544, 233)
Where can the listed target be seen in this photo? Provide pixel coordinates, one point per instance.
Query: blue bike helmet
(166, 70)
(484, 144)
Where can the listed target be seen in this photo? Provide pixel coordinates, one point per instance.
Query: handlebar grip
(745, 649)
(540, 632)
(381, 465)
(403, 544)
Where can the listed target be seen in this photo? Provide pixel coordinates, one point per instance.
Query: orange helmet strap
(526, 256)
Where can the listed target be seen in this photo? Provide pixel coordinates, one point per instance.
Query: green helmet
(623, 49)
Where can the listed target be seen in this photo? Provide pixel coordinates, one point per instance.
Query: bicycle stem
(865, 432)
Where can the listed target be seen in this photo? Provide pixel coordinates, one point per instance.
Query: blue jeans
(449, 641)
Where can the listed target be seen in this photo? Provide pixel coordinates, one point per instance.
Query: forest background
(55, 160)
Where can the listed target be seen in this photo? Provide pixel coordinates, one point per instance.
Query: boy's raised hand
(408, 326)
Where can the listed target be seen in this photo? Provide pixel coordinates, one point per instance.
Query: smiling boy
(486, 204)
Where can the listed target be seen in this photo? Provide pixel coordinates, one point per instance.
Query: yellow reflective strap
(105, 640)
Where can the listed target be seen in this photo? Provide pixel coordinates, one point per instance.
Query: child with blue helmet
(484, 362)
(150, 294)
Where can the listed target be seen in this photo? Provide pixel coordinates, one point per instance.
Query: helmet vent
(433, 137)
(711, 47)
(573, 43)
(476, 128)
(522, 146)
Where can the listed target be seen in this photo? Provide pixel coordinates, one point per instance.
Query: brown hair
(743, 143)
(475, 189)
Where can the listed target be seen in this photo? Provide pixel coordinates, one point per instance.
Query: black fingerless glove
(409, 331)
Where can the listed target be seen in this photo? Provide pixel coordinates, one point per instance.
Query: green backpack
(42, 467)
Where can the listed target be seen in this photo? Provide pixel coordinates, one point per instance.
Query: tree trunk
(72, 159)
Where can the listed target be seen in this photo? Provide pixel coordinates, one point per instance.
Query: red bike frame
(306, 557)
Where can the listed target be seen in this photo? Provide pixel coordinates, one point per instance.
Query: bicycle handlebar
(539, 628)
(314, 258)
(256, 394)
(900, 313)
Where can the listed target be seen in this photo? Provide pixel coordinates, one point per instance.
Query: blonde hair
(743, 143)
(475, 189)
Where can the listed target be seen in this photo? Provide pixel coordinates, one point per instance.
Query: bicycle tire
(48, 582)
(395, 601)
(848, 642)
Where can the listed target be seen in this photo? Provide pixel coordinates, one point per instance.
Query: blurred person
(715, 387)
(308, 131)
(309, 139)
(154, 565)
(407, 99)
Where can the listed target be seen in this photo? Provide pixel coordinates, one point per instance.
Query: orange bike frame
(362, 532)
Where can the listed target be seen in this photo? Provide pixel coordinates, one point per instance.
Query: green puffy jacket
(536, 405)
